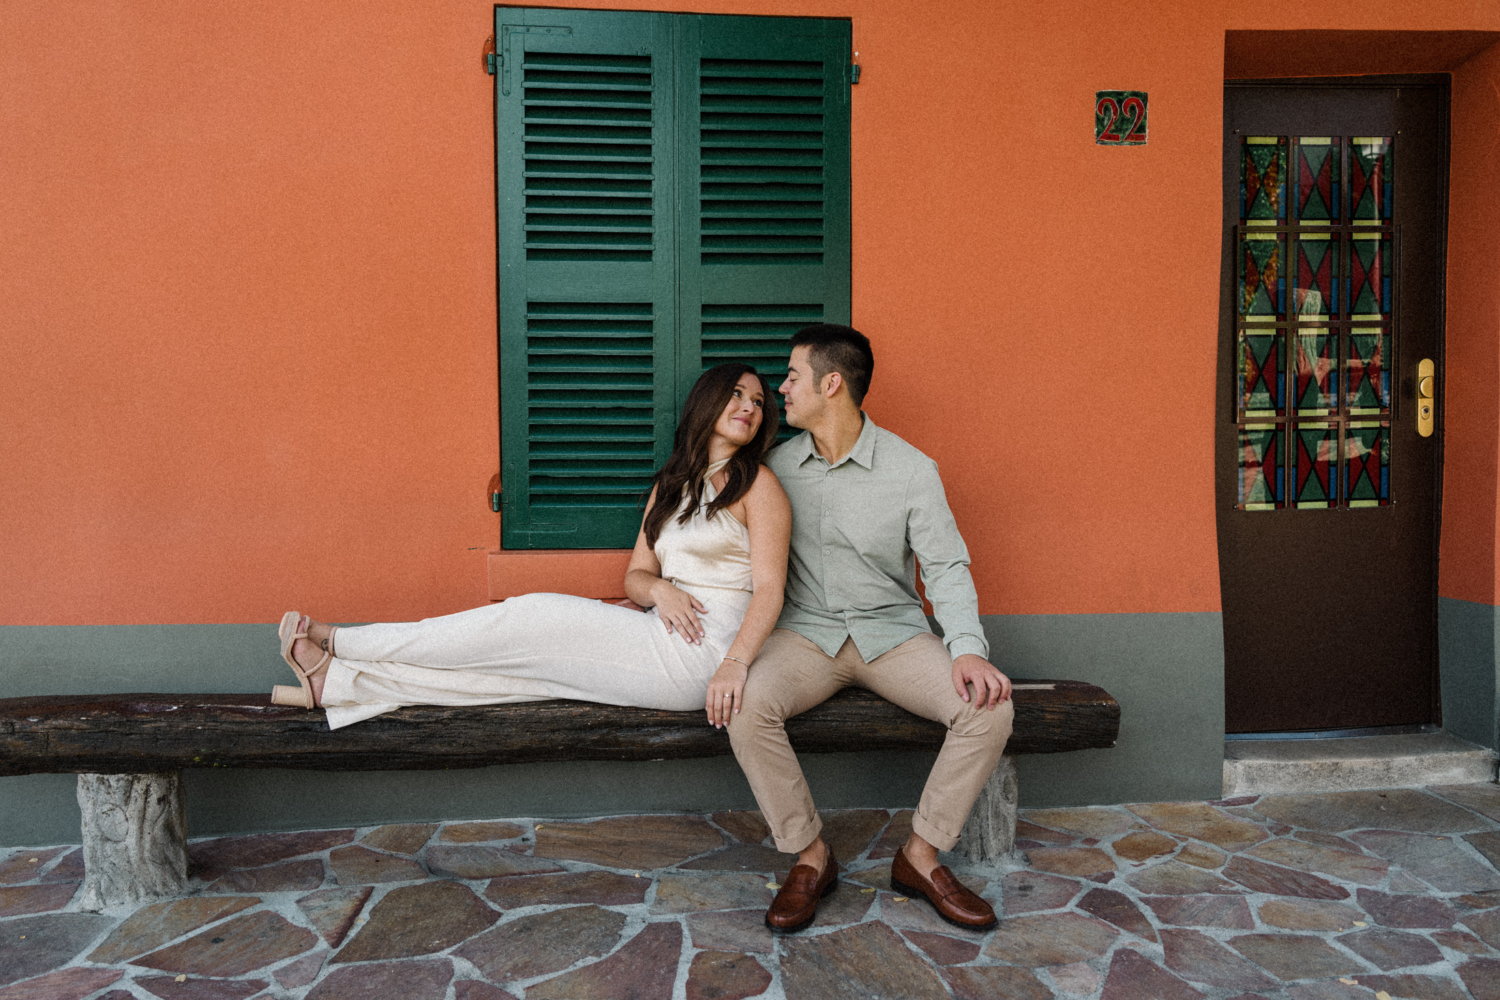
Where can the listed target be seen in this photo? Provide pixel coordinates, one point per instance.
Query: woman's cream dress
(555, 645)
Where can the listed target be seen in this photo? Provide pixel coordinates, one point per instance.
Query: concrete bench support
(134, 838)
(989, 836)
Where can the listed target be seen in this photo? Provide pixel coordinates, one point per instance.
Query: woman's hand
(680, 610)
(725, 692)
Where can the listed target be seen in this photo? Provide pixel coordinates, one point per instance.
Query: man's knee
(977, 719)
(758, 711)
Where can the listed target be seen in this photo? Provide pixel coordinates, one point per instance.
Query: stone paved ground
(1391, 894)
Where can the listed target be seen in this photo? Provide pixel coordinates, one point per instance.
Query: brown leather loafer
(796, 902)
(952, 899)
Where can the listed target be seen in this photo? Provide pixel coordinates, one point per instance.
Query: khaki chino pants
(792, 675)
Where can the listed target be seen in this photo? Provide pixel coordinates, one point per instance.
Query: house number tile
(1120, 117)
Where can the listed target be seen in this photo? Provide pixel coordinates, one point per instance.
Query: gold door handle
(1426, 383)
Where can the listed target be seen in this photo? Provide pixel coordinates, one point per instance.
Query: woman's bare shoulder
(766, 488)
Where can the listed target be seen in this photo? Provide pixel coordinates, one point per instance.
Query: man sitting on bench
(865, 505)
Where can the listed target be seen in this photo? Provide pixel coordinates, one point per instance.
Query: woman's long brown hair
(684, 471)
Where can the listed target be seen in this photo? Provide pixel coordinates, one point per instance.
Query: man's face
(802, 396)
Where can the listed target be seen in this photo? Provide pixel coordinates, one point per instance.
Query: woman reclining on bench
(712, 576)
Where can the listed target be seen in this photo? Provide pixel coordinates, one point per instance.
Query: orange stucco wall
(247, 297)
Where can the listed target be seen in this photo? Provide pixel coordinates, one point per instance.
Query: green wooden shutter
(763, 167)
(586, 227)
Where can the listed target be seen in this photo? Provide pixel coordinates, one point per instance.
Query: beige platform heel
(285, 694)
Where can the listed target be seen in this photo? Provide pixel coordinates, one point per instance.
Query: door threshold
(1305, 765)
(1337, 734)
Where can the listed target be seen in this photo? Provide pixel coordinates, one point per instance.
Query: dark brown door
(1334, 211)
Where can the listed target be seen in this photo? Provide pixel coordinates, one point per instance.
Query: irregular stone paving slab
(478, 861)
(1083, 821)
(1402, 882)
(1460, 941)
(1487, 844)
(731, 930)
(1173, 878)
(473, 989)
(1295, 956)
(867, 960)
(1050, 939)
(850, 831)
(1116, 908)
(69, 984)
(1076, 978)
(117, 995)
(69, 869)
(724, 975)
(1329, 989)
(1132, 976)
(362, 866)
(399, 838)
(19, 899)
(845, 905)
(1309, 915)
(569, 888)
(418, 920)
(641, 842)
(233, 948)
(1202, 856)
(1486, 925)
(747, 826)
(1201, 822)
(473, 833)
(1482, 977)
(301, 972)
(1027, 892)
(993, 982)
(1257, 876)
(1026, 830)
(1441, 862)
(1196, 956)
(293, 876)
(1406, 910)
(1082, 861)
(1415, 987)
(743, 858)
(942, 949)
(263, 848)
(1388, 949)
(1480, 900)
(1392, 809)
(24, 865)
(543, 943)
(1144, 844)
(1329, 840)
(696, 893)
(154, 925)
(645, 968)
(422, 980)
(917, 914)
(1343, 865)
(896, 834)
(1483, 799)
(1202, 911)
(168, 988)
(332, 911)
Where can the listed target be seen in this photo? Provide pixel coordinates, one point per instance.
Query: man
(865, 507)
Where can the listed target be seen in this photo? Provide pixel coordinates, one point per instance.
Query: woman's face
(742, 415)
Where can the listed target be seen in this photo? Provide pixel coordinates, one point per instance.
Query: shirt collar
(863, 451)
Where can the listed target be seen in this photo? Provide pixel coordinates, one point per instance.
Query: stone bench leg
(990, 834)
(134, 838)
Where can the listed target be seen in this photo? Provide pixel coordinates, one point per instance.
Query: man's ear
(831, 389)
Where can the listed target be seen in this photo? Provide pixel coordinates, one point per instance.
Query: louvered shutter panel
(584, 161)
(763, 167)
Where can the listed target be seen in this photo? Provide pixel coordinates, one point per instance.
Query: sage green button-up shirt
(858, 529)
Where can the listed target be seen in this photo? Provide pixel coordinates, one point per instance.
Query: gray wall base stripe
(1469, 654)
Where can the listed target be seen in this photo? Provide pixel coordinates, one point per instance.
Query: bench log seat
(129, 751)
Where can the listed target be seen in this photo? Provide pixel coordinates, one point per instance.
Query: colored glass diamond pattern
(1316, 290)
(1316, 374)
(1262, 375)
(1260, 467)
(1365, 371)
(1317, 457)
(1318, 179)
(1367, 460)
(1369, 277)
(1262, 280)
(1371, 172)
(1263, 178)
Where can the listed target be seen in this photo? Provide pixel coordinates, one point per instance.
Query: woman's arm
(768, 515)
(644, 585)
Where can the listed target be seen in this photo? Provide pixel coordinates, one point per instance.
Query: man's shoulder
(898, 454)
(786, 456)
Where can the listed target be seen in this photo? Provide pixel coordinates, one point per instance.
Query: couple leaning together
(768, 588)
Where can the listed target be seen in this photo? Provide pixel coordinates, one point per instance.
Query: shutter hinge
(495, 493)
(490, 59)
(853, 73)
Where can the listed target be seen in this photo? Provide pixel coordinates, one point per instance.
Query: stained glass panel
(1262, 374)
(1315, 292)
(1369, 277)
(1260, 474)
(1316, 372)
(1317, 446)
(1365, 372)
(1263, 179)
(1262, 279)
(1367, 459)
(1371, 171)
(1317, 179)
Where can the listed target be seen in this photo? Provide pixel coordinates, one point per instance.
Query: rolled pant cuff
(798, 842)
(937, 838)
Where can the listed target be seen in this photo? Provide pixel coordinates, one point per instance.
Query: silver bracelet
(736, 659)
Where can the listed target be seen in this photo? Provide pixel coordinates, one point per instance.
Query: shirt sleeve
(934, 539)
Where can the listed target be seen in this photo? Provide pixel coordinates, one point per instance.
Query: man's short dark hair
(842, 349)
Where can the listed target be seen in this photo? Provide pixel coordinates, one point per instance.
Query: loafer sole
(914, 893)
(792, 929)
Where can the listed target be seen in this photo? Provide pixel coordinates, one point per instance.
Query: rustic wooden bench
(129, 751)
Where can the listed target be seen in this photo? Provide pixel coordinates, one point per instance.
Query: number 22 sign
(1120, 118)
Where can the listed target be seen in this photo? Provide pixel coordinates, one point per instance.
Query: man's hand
(990, 684)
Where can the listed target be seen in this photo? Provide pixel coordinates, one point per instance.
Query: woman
(709, 564)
